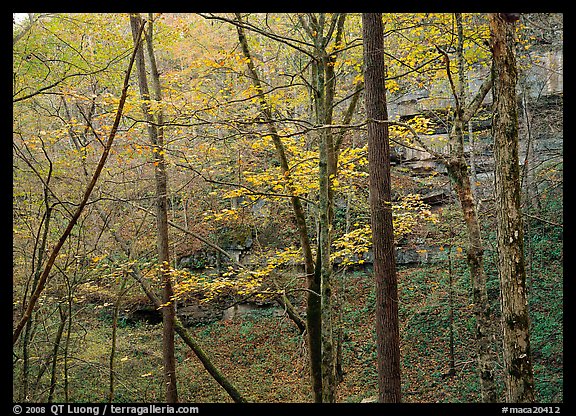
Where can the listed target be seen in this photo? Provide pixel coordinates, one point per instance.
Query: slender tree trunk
(475, 260)
(313, 310)
(452, 358)
(326, 168)
(324, 245)
(387, 326)
(458, 172)
(113, 350)
(515, 320)
(473, 168)
(339, 333)
(324, 89)
(57, 340)
(25, 360)
(117, 304)
(37, 269)
(155, 132)
(67, 346)
(528, 179)
(161, 178)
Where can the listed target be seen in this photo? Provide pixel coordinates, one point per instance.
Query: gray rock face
(195, 314)
(246, 308)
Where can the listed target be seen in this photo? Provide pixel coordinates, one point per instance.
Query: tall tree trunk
(326, 272)
(387, 327)
(155, 132)
(515, 320)
(313, 311)
(458, 172)
(326, 168)
(475, 258)
(324, 89)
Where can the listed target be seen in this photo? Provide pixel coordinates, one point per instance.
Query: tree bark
(515, 320)
(57, 340)
(387, 326)
(458, 172)
(122, 290)
(44, 227)
(324, 90)
(326, 169)
(155, 132)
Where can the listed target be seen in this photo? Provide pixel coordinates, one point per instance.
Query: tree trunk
(37, 269)
(324, 245)
(155, 132)
(326, 168)
(324, 90)
(63, 319)
(515, 319)
(458, 172)
(313, 311)
(387, 327)
(452, 357)
(67, 345)
(116, 311)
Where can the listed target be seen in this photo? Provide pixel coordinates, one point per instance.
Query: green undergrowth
(265, 356)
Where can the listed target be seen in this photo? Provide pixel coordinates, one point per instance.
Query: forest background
(233, 251)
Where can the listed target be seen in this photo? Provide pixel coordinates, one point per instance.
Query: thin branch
(245, 25)
(239, 185)
(476, 102)
(64, 78)
(556, 224)
(449, 73)
(50, 262)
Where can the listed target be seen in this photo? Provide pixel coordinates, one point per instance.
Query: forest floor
(264, 356)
